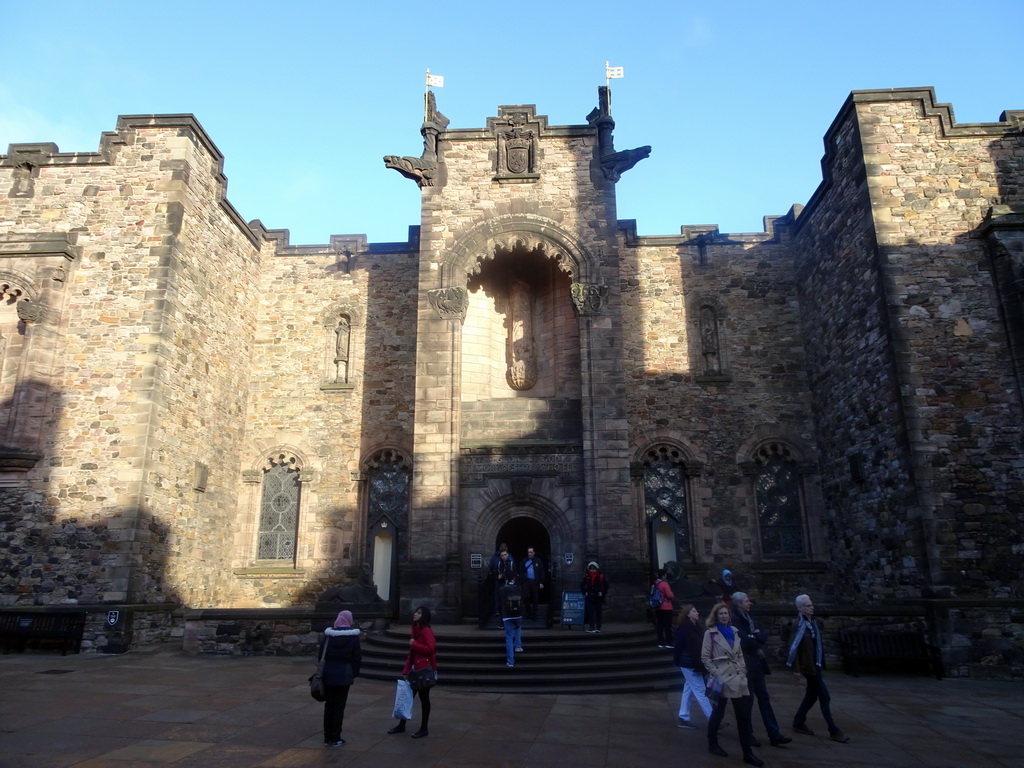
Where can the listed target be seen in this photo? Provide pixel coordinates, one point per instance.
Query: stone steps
(618, 660)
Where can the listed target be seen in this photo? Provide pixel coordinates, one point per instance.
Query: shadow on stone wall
(98, 559)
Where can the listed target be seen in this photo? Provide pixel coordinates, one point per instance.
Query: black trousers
(663, 624)
(759, 689)
(424, 707)
(531, 595)
(334, 711)
(742, 707)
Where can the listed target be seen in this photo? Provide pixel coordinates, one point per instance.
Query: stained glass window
(389, 489)
(779, 508)
(279, 513)
(665, 492)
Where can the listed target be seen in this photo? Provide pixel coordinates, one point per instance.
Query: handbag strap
(323, 651)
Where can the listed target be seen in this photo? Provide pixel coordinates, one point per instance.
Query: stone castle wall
(958, 386)
(159, 355)
(111, 497)
(861, 429)
(758, 391)
(298, 407)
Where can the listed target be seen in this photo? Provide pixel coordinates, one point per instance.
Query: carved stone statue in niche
(522, 370)
(709, 346)
(23, 181)
(425, 169)
(342, 336)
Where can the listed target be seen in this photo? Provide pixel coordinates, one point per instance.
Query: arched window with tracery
(666, 504)
(279, 509)
(780, 513)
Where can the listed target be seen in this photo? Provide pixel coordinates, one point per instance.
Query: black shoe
(335, 743)
(420, 733)
(755, 743)
(839, 736)
(400, 728)
(778, 742)
(714, 749)
(752, 759)
(802, 728)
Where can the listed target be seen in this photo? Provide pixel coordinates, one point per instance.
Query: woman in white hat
(594, 588)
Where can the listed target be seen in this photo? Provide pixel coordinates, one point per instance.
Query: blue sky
(305, 98)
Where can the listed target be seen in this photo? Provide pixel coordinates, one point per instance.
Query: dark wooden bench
(905, 650)
(19, 628)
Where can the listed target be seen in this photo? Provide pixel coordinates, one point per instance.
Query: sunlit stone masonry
(198, 414)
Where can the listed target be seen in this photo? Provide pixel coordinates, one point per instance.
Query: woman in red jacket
(422, 654)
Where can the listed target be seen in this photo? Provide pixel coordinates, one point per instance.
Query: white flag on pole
(612, 73)
(435, 81)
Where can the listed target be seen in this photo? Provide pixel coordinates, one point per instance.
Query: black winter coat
(343, 657)
(686, 653)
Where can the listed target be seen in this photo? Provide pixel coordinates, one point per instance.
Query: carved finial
(613, 164)
(425, 168)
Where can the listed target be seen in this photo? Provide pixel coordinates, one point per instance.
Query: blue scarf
(804, 625)
(727, 632)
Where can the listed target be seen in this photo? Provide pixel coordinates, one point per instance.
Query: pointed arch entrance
(520, 534)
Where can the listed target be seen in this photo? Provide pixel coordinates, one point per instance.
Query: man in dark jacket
(807, 659)
(531, 579)
(502, 570)
(752, 640)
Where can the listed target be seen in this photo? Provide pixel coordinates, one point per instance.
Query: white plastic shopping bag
(403, 701)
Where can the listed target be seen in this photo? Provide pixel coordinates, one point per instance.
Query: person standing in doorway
(663, 612)
(595, 589)
(503, 570)
(807, 659)
(531, 579)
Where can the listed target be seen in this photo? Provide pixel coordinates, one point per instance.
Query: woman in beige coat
(723, 657)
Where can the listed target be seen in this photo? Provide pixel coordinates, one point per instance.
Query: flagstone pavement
(159, 707)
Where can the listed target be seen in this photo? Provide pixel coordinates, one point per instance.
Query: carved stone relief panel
(517, 136)
(450, 303)
(588, 299)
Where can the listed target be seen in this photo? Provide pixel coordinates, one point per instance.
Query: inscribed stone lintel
(476, 468)
(270, 572)
(527, 179)
(713, 378)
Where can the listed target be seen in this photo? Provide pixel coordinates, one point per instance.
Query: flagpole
(426, 97)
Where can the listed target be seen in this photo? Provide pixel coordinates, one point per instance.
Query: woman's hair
(713, 616)
(684, 611)
(424, 616)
